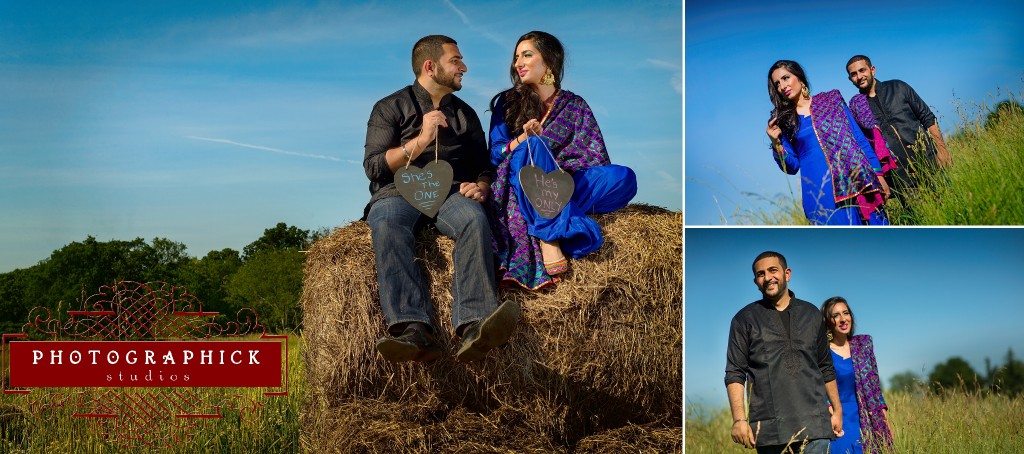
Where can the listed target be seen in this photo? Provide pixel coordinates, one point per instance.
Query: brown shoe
(481, 336)
(415, 344)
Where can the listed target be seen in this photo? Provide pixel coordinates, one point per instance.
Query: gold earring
(806, 92)
(549, 78)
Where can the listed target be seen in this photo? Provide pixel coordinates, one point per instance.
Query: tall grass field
(957, 422)
(251, 422)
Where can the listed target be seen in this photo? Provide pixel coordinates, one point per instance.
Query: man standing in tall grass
(901, 115)
(779, 343)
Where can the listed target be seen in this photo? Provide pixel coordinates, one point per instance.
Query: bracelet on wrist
(408, 156)
(738, 420)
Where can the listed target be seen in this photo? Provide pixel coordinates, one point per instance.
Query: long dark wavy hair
(826, 311)
(521, 103)
(784, 108)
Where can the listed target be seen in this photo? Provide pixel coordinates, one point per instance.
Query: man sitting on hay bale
(427, 162)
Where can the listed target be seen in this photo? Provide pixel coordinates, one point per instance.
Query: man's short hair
(769, 254)
(859, 57)
(428, 48)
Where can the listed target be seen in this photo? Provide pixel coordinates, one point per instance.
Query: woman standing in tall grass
(818, 137)
(865, 415)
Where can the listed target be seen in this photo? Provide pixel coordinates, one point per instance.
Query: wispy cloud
(677, 72)
(482, 31)
(271, 149)
(668, 179)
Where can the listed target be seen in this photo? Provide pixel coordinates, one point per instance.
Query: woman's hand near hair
(775, 133)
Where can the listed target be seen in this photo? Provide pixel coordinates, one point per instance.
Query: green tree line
(956, 374)
(266, 276)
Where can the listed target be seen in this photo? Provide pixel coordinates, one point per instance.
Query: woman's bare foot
(554, 259)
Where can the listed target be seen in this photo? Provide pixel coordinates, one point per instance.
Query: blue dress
(571, 141)
(816, 176)
(850, 442)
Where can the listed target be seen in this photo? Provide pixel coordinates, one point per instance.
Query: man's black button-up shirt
(397, 119)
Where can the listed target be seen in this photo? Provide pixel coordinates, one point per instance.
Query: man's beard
(867, 88)
(446, 79)
(780, 288)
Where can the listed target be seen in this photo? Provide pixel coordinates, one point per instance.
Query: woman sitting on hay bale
(538, 129)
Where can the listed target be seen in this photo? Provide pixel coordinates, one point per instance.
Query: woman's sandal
(557, 267)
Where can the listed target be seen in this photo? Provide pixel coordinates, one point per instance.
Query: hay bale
(601, 351)
(649, 438)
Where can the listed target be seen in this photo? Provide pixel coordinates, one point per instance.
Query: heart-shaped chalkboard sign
(549, 192)
(426, 188)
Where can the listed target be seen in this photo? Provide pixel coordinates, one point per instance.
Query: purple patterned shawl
(874, 433)
(574, 138)
(862, 113)
(851, 171)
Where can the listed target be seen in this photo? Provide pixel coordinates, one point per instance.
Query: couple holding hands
(812, 385)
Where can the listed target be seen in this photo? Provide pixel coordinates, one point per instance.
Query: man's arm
(476, 142)
(382, 159)
(928, 120)
(741, 432)
(478, 158)
(837, 407)
(736, 359)
(941, 154)
(824, 354)
(828, 375)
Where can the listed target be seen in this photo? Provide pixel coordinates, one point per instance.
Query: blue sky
(923, 294)
(950, 51)
(208, 122)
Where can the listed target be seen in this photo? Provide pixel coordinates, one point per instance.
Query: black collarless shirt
(902, 116)
(788, 367)
(398, 118)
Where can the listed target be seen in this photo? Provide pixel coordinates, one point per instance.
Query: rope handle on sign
(529, 153)
(437, 146)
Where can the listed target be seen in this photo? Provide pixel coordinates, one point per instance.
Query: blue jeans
(817, 446)
(403, 294)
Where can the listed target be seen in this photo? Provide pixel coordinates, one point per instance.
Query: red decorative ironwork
(151, 417)
(131, 310)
